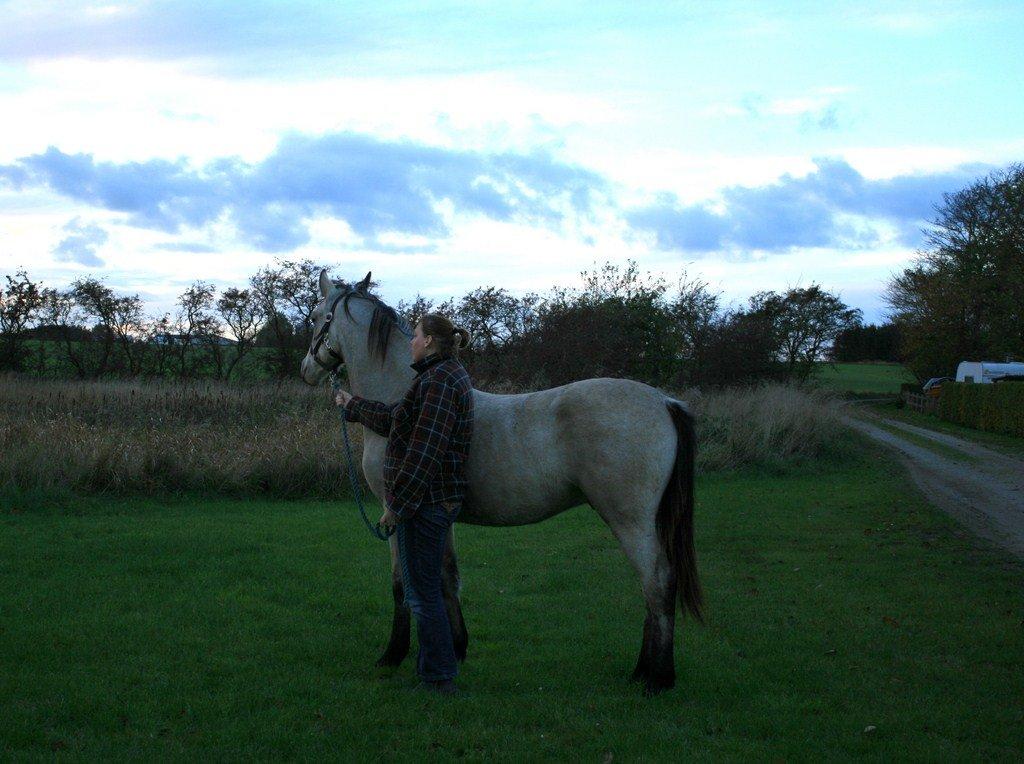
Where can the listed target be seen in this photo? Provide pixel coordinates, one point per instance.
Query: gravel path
(984, 490)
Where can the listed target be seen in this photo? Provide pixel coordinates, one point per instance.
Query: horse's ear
(364, 285)
(325, 283)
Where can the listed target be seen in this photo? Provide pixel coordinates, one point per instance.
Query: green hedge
(995, 408)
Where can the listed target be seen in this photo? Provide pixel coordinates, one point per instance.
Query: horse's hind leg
(398, 643)
(451, 583)
(655, 666)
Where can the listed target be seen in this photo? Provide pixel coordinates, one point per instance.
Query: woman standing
(428, 434)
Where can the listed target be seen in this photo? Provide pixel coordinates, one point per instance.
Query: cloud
(184, 246)
(375, 186)
(818, 110)
(828, 207)
(168, 29)
(81, 243)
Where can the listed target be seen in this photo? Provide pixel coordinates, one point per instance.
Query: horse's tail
(674, 520)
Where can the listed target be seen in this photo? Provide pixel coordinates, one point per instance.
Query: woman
(428, 434)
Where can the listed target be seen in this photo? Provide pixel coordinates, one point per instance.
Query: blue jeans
(421, 540)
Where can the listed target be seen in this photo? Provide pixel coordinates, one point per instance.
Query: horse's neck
(387, 381)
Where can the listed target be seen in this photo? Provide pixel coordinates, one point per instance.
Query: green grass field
(861, 378)
(846, 618)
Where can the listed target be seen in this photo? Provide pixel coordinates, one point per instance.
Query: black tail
(675, 513)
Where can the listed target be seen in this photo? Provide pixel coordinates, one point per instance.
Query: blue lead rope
(353, 478)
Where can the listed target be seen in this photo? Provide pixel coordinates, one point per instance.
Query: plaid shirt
(428, 434)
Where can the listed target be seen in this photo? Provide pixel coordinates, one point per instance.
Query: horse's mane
(383, 319)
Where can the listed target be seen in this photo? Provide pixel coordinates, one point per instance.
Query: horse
(621, 446)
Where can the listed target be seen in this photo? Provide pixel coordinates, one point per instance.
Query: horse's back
(533, 454)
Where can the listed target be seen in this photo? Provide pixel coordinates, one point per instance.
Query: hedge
(995, 408)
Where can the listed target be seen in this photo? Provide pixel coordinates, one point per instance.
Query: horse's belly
(492, 506)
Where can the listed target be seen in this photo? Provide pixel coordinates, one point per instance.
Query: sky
(446, 146)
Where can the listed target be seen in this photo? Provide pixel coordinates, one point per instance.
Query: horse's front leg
(398, 643)
(451, 584)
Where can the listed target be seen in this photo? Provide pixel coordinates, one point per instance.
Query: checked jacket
(428, 434)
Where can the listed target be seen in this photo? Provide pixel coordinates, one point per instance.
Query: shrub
(768, 425)
(995, 408)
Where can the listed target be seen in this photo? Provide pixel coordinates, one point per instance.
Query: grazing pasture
(845, 618)
(862, 378)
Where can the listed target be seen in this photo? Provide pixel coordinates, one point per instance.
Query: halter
(321, 338)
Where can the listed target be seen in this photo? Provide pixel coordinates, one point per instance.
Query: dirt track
(981, 488)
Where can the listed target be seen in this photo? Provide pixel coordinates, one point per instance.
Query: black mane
(383, 319)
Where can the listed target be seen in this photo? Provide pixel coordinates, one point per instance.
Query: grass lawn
(846, 618)
(882, 378)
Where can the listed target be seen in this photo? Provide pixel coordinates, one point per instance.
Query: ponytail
(464, 338)
(448, 338)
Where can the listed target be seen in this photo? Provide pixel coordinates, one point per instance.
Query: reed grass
(283, 439)
(769, 426)
(155, 437)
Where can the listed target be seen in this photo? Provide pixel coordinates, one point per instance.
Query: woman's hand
(342, 398)
(388, 519)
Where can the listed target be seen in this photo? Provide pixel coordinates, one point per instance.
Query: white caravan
(986, 372)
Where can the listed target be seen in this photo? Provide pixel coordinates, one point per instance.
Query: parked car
(933, 386)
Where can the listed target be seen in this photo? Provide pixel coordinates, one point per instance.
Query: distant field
(846, 619)
(882, 378)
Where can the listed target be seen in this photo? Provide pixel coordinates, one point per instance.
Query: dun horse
(622, 446)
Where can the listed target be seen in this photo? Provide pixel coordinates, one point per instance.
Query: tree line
(90, 331)
(618, 322)
(963, 297)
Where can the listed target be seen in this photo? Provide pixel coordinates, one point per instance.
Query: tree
(618, 324)
(197, 331)
(290, 289)
(20, 304)
(696, 313)
(241, 314)
(413, 311)
(963, 298)
(805, 322)
(739, 348)
(867, 343)
(90, 303)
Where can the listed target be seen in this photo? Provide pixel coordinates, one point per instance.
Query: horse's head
(339, 321)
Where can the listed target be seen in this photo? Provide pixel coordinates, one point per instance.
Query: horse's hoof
(388, 661)
(656, 686)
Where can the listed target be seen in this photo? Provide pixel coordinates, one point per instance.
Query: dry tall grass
(770, 425)
(284, 440)
(280, 440)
